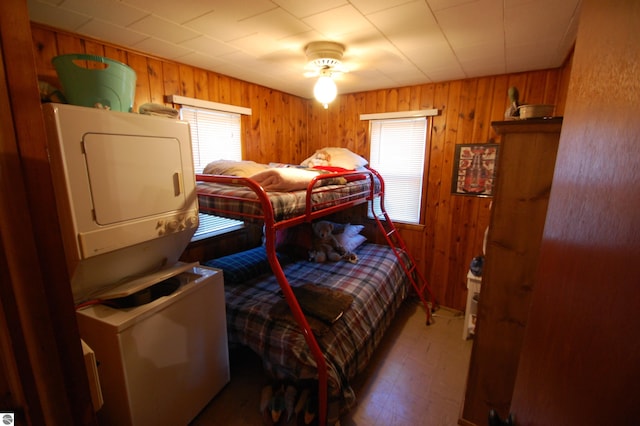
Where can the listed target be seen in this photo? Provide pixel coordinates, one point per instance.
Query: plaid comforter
(239, 202)
(378, 286)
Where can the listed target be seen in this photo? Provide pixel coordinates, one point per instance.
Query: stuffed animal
(324, 245)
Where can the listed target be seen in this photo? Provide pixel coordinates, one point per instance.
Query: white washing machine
(161, 349)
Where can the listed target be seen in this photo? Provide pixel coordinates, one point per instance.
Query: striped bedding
(239, 202)
(378, 286)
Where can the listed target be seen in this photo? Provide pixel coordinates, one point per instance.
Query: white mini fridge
(161, 362)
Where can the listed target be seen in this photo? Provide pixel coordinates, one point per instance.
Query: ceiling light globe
(325, 90)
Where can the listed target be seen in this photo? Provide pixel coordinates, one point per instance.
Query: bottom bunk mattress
(373, 288)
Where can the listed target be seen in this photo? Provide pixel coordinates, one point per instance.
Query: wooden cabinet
(523, 182)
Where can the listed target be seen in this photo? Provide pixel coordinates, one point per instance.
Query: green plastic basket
(111, 86)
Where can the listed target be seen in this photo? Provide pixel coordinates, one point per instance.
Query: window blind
(215, 135)
(398, 153)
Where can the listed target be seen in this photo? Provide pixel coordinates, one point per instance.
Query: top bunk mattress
(239, 198)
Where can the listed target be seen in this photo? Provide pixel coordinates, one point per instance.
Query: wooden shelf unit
(523, 183)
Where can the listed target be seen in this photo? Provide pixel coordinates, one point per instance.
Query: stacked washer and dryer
(125, 193)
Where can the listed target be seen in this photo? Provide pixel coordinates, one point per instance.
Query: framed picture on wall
(474, 169)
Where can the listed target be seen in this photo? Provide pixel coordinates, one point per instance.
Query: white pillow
(335, 157)
(350, 242)
(351, 230)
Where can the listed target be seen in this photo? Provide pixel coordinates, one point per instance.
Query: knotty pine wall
(287, 128)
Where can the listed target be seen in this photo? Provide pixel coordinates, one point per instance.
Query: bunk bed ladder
(397, 244)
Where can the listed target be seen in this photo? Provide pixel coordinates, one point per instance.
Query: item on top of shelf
(535, 111)
(109, 85)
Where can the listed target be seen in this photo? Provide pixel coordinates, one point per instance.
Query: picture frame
(474, 169)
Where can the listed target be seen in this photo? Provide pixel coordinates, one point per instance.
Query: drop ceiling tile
(476, 24)
(161, 48)
(107, 10)
(335, 22)
(56, 17)
(409, 18)
(163, 29)
(276, 24)
(107, 31)
(199, 60)
(174, 10)
(371, 6)
(436, 5)
(301, 9)
(220, 27)
(485, 66)
(206, 44)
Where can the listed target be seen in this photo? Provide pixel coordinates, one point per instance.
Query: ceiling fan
(324, 60)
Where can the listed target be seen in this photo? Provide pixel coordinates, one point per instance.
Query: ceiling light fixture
(326, 56)
(325, 89)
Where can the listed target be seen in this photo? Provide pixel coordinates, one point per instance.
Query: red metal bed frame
(312, 212)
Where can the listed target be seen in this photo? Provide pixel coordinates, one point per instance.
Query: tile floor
(416, 377)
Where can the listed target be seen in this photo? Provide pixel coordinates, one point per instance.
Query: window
(215, 135)
(398, 153)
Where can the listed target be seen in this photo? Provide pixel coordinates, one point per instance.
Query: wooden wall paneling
(426, 98)
(238, 93)
(370, 102)
(362, 145)
(552, 88)
(268, 145)
(391, 100)
(534, 89)
(466, 117)
(499, 104)
(201, 84)
(381, 101)
(214, 87)
(333, 123)
(187, 82)
(404, 99)
(482, 109)
(444, 220)
(465, 212)
(155, 74)
(170, 78)
(45, 49)
(415, 97)
(97, 49)
(434, 189)
(111, 52)
(224, 89)
(288, 119)
(67, 43)
(251, 124)
(138, 63)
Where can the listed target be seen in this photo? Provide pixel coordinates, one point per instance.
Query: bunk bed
(283, 198)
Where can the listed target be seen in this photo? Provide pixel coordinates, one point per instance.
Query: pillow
(243, 266)
(335, 157)
(234, 168)
(350, 242)
(352, 230)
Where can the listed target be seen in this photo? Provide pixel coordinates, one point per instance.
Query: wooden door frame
(43, 377)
